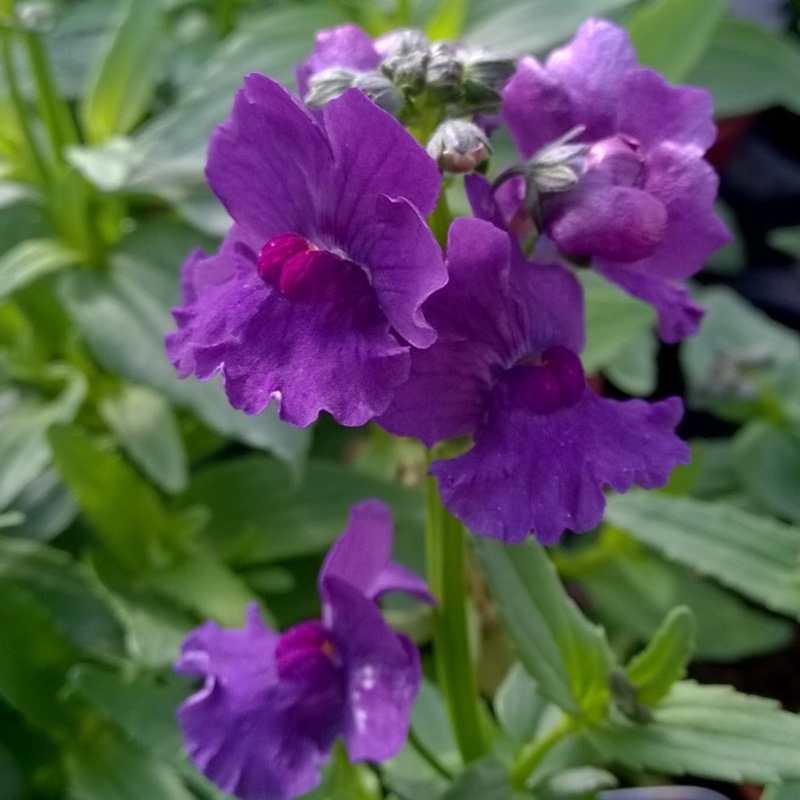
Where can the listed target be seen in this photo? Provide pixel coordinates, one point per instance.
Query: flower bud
(403, 42)
(407, 70)
(484, 76)
(444, 72)
(381, 91)
(459, 145)
(328, 84)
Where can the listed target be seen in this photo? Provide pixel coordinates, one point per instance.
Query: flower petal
(344, 46)
(545, 473)
(246, 731)
(248, 155)
(383, 670)
(361, 556)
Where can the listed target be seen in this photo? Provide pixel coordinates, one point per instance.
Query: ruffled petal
(536, 107)
(245, 730)
(383, 670)
(544, 473)
(345, 46)
(405, 264)
(361, 556)
(248, 155)
(591, 68)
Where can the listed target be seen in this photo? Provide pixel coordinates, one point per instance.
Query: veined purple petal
(544, 473)
(383, 670)
(247, 731)
(361, 557)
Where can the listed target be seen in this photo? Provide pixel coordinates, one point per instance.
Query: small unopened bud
(328, 84)
(403, 42)
(381, 91)
(555, 168)
(444, 72)
(407, 70)
(459, 145)
(484, 76)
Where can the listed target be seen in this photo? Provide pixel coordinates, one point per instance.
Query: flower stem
(447, 576)
(531, 756)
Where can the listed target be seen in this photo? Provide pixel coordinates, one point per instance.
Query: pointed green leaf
(782, 791)
(767, 461)
(125, 511)
(568, 656)
(146, 428)
(633, 590)
(516, 27)
(519, 705)
(709, 731)
(663, 662)
(753, 555)
(125, 81)
(487, 779)
(671, 35)
(110, 765)
(748, 68)
(31, 260)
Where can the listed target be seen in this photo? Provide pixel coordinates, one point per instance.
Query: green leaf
(615, 321)
(634, 368)
(24, 451)
(568, 657)
(519, 705)
(747, 68)
(782, 791)
(259, 514)
(145, 426)
(737, 350)
(709, 731)
(447, 21)
(140, 706)
(124, 313)
(126, 512)
(663, 662)
(580, 783)
(486, 779)
(515, 27)
(125, 82)
(46, 507)
(671, 35)
(633, 590)
(64, 588)
(111, 766)
(31, 260)
(767, 462)
(753, 555)
(34, 658)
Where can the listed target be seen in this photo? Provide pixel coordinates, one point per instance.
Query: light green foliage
(567, 655)
(671, 35)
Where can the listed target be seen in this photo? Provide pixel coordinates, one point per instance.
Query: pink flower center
(554, 380)
(295, 267)
(303, 648)
(618, 159)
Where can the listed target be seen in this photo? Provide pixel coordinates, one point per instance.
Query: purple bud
(459, 146)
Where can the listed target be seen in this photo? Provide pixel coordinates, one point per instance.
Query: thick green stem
(54, 112)
(447, 575)
(531, 756)
(18, 102)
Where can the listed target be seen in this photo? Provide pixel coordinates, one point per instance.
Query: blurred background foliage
(133, 505)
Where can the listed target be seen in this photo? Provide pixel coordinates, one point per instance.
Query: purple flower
(315, 294)
(272, 704)
(636, 197)
(506, 371)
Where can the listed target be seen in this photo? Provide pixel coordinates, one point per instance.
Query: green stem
(18, 102)
(531, 756)
(441, 217)
(447, 575)
(54, 113)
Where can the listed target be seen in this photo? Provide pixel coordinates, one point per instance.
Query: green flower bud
(328, 84)
(381, 91)
(459, 145)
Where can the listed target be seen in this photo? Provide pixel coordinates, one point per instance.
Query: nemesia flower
(635, 196)
(314, 297)
(506, 370)
(272, 704)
